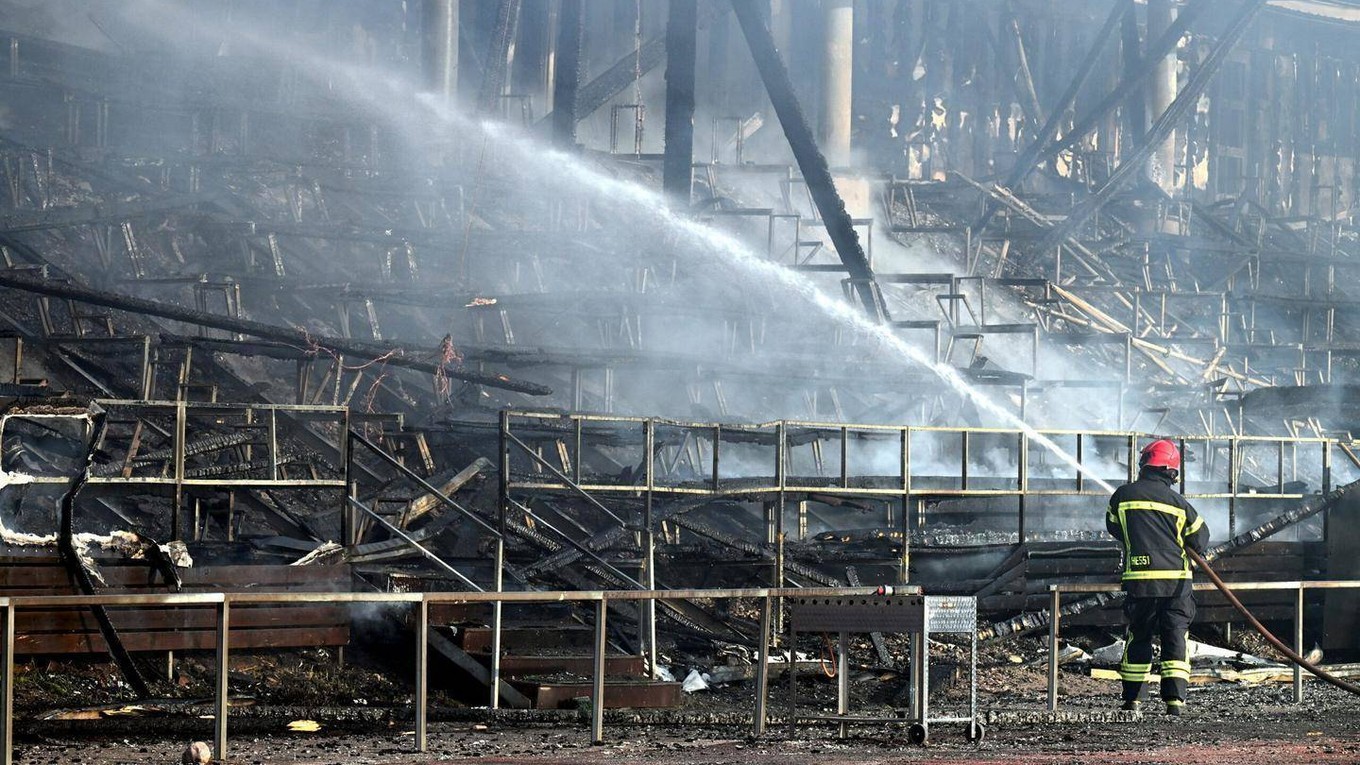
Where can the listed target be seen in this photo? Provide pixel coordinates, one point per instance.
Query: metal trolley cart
(916, 615)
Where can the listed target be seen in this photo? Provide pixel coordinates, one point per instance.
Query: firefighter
(1155, 524)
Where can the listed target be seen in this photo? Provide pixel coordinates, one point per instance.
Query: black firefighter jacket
(1155, 524)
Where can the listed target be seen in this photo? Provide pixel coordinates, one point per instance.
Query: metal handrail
(223, 601)
(1056, 592)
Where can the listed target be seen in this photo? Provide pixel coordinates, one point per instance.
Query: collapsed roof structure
(425, 296)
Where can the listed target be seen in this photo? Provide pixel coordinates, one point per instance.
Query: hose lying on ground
(1265, 633)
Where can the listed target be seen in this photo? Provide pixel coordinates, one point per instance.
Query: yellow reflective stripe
(1176, 670)
(1194, 527)
(1134, 576)
(1126, 667)
(1175, 703)
(1180, 535)
(1124, 529)
(1160, 507)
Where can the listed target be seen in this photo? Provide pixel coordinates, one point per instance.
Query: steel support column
(838, 69)
(1161, 15)
(441, 47)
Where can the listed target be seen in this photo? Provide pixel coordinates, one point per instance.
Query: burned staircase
(547, 658)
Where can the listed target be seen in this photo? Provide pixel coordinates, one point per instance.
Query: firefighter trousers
(1169, 619)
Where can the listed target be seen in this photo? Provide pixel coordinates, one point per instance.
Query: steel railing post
(843, 683)
(496, 612)
(422, 673)
(1054, 603)
(762, 669)
(221, 698)
(597, 680)
(1298, 644)
(647, 620)
(7, 690)
(498, 572)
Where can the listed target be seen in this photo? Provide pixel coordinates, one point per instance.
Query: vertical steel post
(843, 683)
(274, 444)
(176, 524)
(351, 490)
(7, 689)
(781, 459)
(904, 562)
(1081, 477)
(1233, 458)
(1298, 644)
(1023, 469)
(222, 701)
(1054, 603)
(498, 573)
(648, 607)
(717, 439)
(422, 674)
(597, 681)
(762, 669)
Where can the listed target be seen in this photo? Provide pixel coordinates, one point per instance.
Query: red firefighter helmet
(1161, 453)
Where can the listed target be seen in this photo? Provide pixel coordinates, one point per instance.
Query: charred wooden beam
(499, 56)
(681, 47)
(70, 557)
(397, 355)
(567, 72)
(810, 160)
(619, 76)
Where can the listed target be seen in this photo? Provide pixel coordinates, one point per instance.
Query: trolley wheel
(918, 734)
(976, 732)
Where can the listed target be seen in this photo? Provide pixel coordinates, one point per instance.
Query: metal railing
(893, 462)
(420, 603)
(1056, 592)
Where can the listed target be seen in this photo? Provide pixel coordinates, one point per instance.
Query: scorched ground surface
(1226, 725)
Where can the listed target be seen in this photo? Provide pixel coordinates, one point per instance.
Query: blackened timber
(681, 44)
(70, 557)
(400, 358)
(567, 72)
(811, 163)
(498, 57)
(1162, 128)
(623, 73)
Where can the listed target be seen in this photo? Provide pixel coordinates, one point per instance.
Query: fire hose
(1279, 645)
